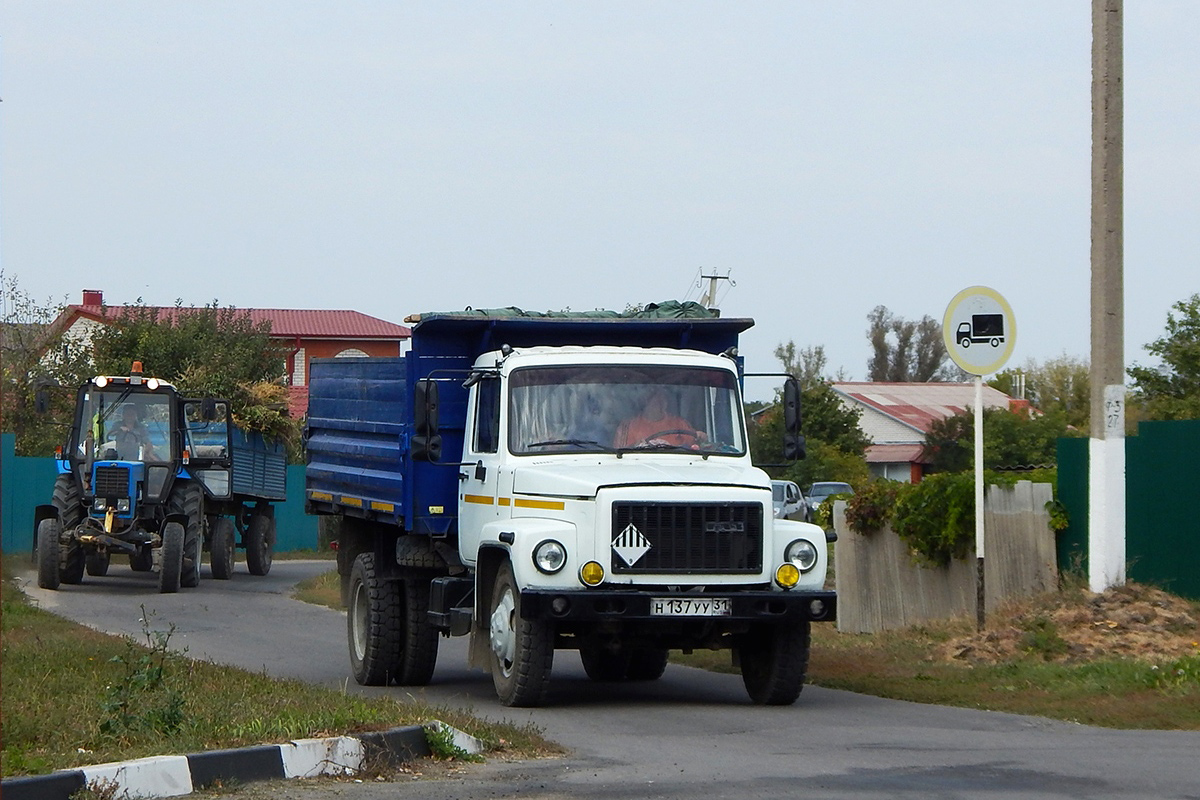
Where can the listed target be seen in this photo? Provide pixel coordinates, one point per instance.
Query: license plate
(690, 607)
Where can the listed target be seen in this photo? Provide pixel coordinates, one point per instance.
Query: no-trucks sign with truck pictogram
(979, 330)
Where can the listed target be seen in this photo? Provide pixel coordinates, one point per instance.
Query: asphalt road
(690, 734)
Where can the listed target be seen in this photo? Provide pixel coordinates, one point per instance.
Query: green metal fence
(28, 482)
(1162, 488)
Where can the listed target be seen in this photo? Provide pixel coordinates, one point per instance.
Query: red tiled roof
(920, 404)
(285, 322)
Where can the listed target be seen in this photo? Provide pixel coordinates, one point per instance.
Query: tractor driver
(131, 436)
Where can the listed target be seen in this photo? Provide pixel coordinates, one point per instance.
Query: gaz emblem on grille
(724, 527)
(630, 545)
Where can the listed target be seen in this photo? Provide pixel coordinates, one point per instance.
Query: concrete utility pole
(1106, 470)
(710, 298)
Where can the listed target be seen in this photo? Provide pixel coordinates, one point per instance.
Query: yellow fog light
(592, 573)
(787, 575)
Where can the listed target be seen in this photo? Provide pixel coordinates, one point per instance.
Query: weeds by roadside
(72, 696)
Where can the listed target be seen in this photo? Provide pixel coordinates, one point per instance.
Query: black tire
(373, 624)
(775, 662)
(171, 571)
(419, 639)
(47, 554)
(604, 664)
(187, 498)
(97, 563)
(220, 547)
(521, 651)
(260, 543)
(647, 664)
(70, 513)
(142, 560)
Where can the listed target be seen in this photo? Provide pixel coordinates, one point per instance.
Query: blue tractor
(160, 478)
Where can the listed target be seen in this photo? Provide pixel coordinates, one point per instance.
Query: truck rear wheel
(260, 543)
(220, 548)
(647, 664)
(96, 563)
(521, 650)
(775, 661)
(623, 664)
(47, 552)
(171, 570)
(373, 621)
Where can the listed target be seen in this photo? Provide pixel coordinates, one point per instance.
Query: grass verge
(72, 696)
(1040, 677)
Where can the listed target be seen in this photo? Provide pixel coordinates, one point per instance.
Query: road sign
(979, 330)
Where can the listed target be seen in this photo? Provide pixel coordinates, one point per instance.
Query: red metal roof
(285, 323)
(894, 453)
(920, 404)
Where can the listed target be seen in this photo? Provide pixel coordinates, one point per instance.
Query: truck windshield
(604, 408)
(121, 425)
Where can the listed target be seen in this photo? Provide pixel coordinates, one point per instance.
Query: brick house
(309, 334)
(896, 417)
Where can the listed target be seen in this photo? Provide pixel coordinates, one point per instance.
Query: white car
(789, 501)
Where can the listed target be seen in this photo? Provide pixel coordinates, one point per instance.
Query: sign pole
(980, 611)
(979, 331)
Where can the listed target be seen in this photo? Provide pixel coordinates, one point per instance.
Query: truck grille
(112, 482)
(688, 538)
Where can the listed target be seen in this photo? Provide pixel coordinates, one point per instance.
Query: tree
(834, 441)
(1010, 439)
(904, 351)
(1059, 385)
(807, 365)
(1172, 391)
(34, 356)
(209, 351)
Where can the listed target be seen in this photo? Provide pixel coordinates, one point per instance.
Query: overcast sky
(397, 157)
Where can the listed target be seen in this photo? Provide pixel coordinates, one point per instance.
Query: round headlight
(549, 556)
(101, 381)
(787, 575)
(801, 553)
(152, 384)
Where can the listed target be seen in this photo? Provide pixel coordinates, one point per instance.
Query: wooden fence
(880, 586)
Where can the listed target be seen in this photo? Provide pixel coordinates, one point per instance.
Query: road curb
(173, 776)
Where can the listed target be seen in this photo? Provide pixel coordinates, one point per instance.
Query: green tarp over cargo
(669, 309)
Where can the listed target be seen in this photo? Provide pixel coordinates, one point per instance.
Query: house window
(352, 352)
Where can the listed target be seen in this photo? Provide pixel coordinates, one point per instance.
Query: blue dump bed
(360, 416)
(259, 466)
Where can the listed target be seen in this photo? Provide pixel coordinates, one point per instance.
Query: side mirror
(426, 443)
(791, 406)
(793, 446)
(41, 400)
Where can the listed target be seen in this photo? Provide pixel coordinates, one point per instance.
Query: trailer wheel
(142, 560)
(47, 551)
(97, 563)
(220, 554)
(260, 543)
(373, 624)
(171, 572)
(775, 661)
(521, 650)
(187, 498)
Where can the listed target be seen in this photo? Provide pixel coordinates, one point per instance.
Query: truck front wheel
(97, 563)
(373, 624)
(775, 661)
(522, 650)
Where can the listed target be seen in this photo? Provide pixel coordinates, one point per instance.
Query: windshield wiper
(576, 442)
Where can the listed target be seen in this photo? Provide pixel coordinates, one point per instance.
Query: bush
(871, 508)
(936, 517)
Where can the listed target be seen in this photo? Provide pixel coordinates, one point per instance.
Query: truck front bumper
(599, 604)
